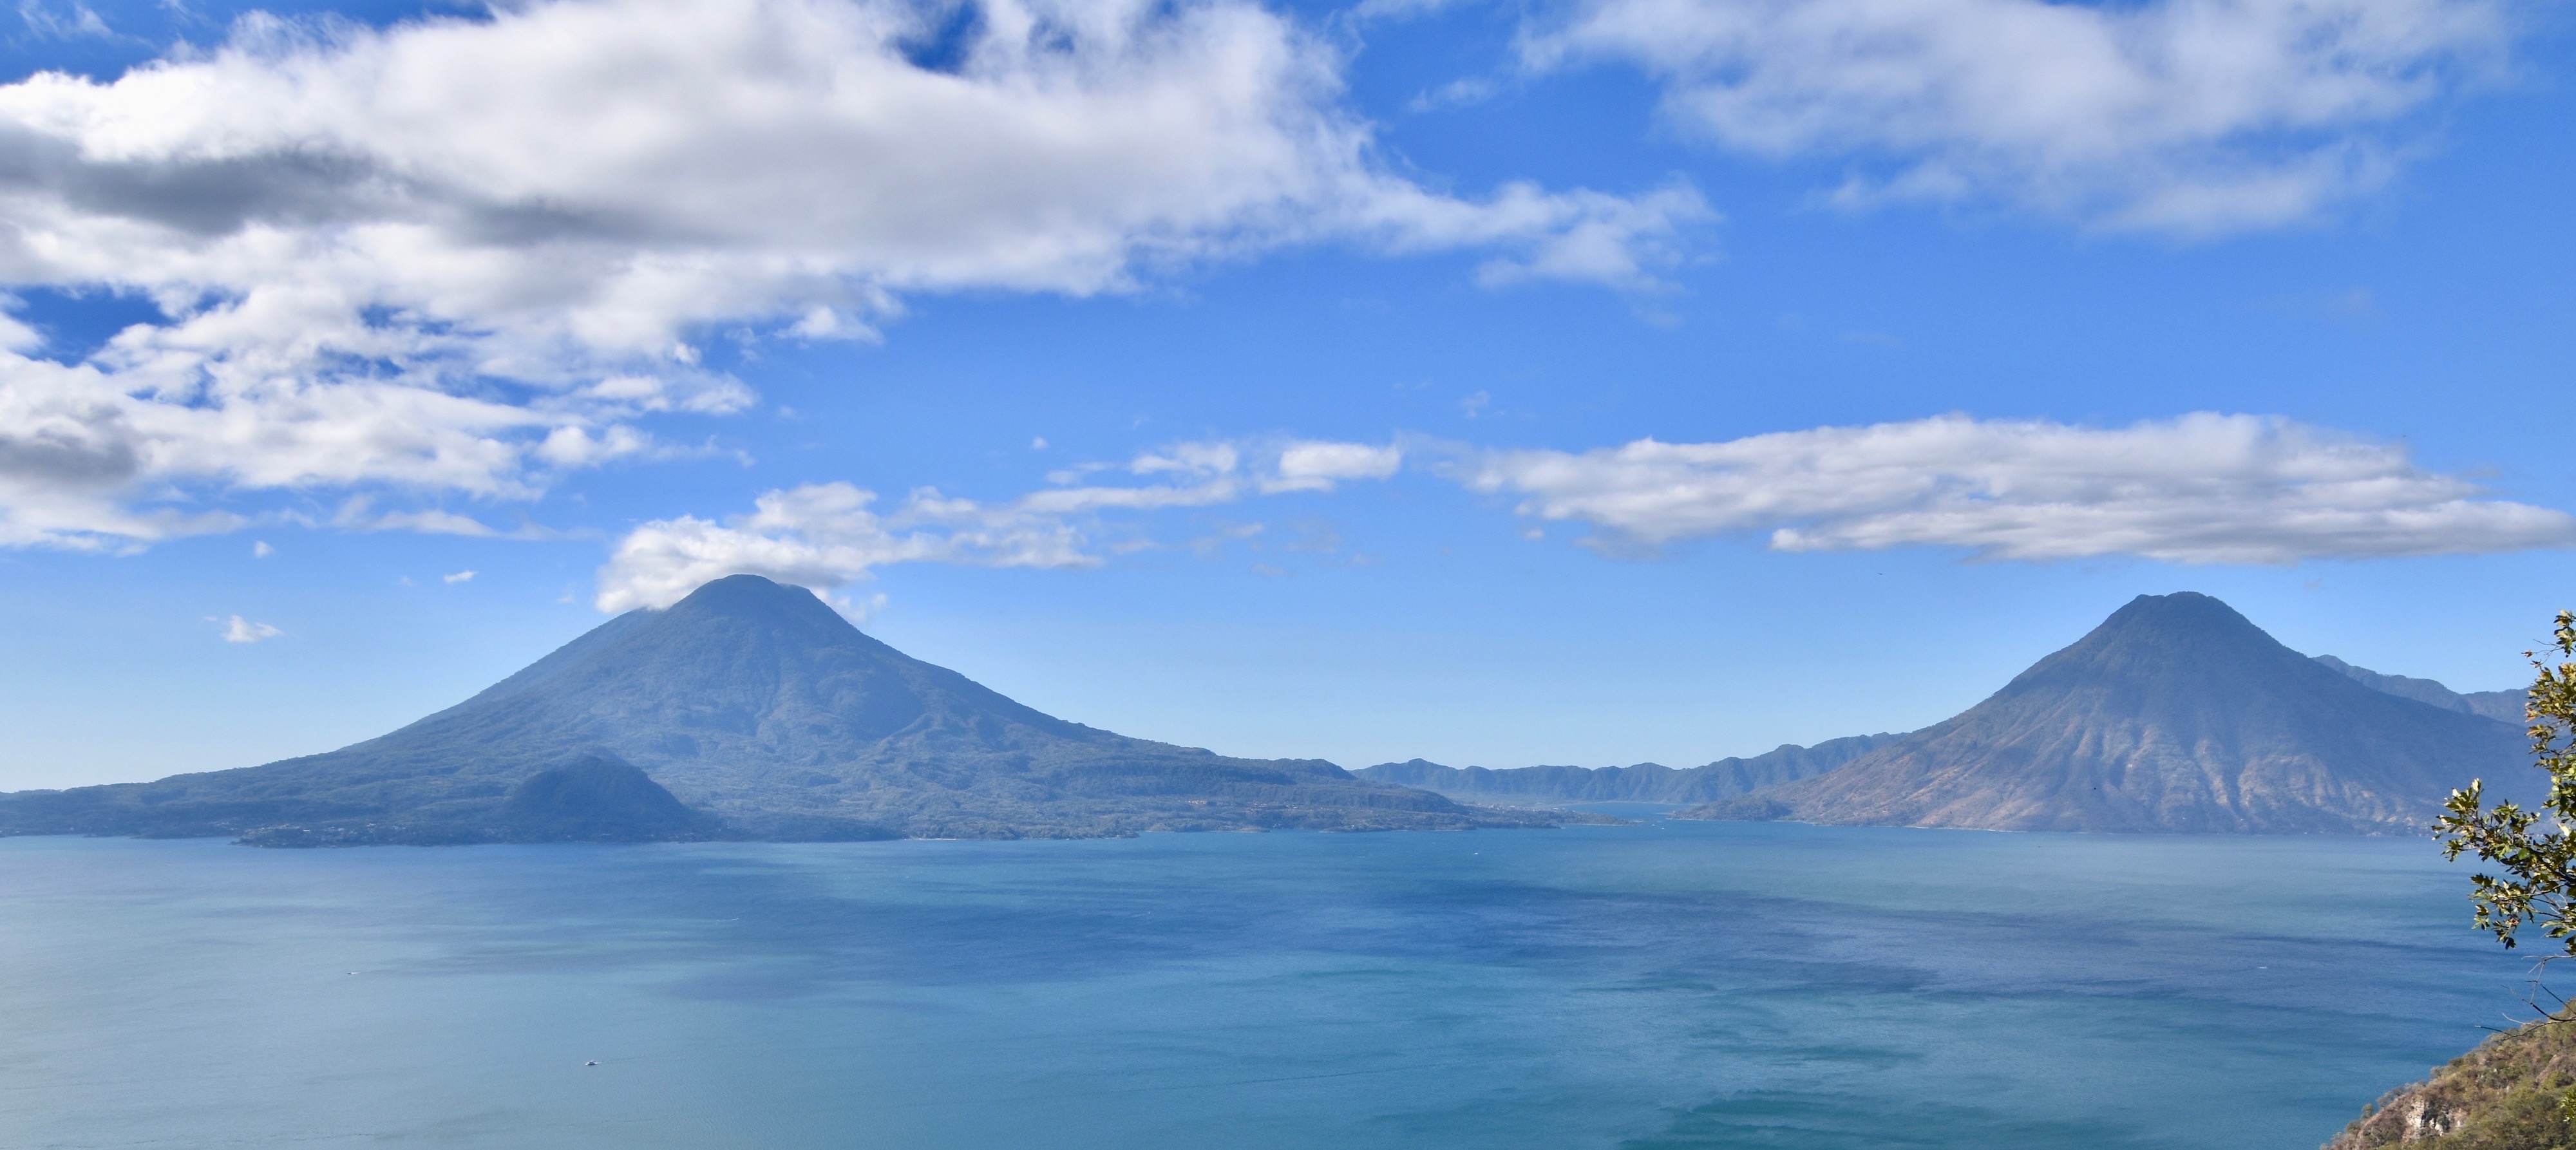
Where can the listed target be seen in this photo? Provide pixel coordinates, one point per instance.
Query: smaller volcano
(598, 798)
(2179, 715)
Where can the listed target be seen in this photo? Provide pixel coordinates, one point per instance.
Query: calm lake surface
(1667, 985)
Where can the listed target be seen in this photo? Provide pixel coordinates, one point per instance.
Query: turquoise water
(1667, 985)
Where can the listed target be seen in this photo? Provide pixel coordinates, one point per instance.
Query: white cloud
(88, 450)
(2203, 488)
(829, 535)
(358, 513)
(459, 577)
(1312, 466)
(2176, 116)
(259, 549)
(462, 254)
(1461, 92)
(78, 22)
(1210, 457)
(1581, 236)
(825, 536)
(856, 609)
(242, 630)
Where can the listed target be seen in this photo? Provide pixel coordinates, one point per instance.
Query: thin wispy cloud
(832, 534)
(823, 536)
(2200, 489)
(2203, 488)
(464, 255)
(240, 630)
(2185, 117)
(69, 21)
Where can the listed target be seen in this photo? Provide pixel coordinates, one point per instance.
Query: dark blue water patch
(1700, 985)
(1810, 1122)
(793, 926)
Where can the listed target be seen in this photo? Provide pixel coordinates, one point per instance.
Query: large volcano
(2176, 714)
(761, 708)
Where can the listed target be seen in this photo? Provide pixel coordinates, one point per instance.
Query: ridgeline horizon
(759, 707)
(2175, 715)
(751, 710)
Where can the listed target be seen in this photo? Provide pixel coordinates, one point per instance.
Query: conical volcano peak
(748, 596)
(2180, 609)
(2182, 617)
(2170, 638)
(747, 617)
(2175, 714)
(752, 709)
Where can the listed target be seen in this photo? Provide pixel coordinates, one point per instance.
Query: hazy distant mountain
(1643, 783)
(2176, 714)
(2502, 706)
(767, 714)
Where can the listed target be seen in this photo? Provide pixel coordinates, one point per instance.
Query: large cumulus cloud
(460, 254)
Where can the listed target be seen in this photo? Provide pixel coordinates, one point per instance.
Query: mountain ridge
(2502, 706)
(1640, 783)
(758, 705)
(2176, 714)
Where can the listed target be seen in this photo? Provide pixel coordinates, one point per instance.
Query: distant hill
(1642, 783)
(2502, 706)
(747, 710)
(2176, 714)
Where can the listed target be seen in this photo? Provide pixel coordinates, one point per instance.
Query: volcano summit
(765, 715)
(2176, 715)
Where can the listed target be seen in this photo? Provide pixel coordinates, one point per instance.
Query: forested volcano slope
(758, 705)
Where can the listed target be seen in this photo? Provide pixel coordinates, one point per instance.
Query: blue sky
(1501, 384)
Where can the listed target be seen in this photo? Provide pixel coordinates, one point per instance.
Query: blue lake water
(1666, 985)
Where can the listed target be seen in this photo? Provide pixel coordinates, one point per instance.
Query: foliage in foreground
(2517, 1091)
(2535, 848)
